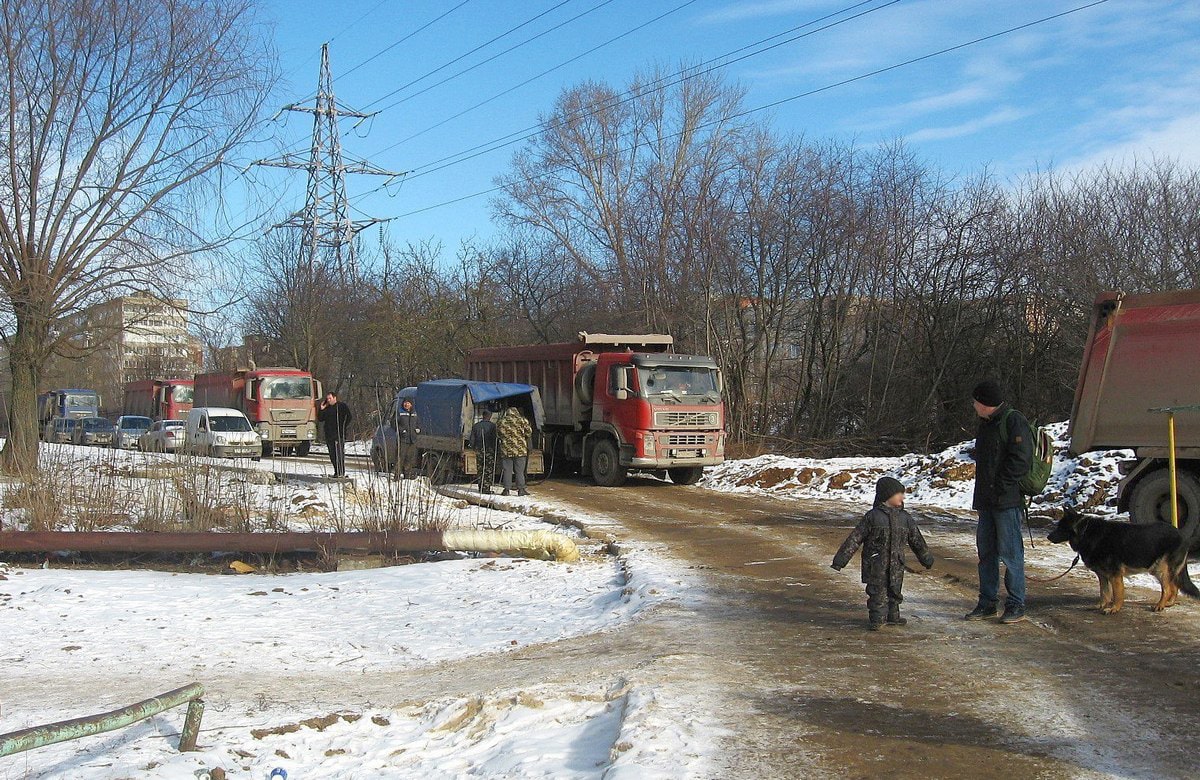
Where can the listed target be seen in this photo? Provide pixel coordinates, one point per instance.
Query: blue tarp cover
(447, 406)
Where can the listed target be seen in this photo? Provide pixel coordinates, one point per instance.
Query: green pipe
(41, 736)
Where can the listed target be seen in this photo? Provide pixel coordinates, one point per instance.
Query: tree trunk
(20, 455)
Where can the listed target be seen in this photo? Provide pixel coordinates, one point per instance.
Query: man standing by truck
(514, 432)
(1003, 453)
(484, 441)
(335, 416)
(408, 425)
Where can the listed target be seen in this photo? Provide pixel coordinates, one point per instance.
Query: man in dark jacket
(883, 533)
(484, 440)
(408, 425)
(335, 416)
(1003, 453)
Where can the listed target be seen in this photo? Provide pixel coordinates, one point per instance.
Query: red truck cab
(279, 402)
(619, 403)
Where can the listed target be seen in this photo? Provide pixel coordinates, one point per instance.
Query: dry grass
(158, 494)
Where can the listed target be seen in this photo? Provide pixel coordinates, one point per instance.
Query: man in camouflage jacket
(514, 432)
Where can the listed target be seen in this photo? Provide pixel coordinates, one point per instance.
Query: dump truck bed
(1142, 353)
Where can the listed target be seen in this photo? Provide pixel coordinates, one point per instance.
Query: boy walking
(883, 533)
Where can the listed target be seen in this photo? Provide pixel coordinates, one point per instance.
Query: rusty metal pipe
(132, 541)
(63, 730)
(540, 544)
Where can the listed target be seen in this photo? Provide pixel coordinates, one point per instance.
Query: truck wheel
(268, 449)
(302, 449)
(607, 470)
(1151, 499)
(686, 475)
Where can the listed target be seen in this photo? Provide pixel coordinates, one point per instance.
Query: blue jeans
(998, 539)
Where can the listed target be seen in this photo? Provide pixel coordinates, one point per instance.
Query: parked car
(129, 429)
(61, 430)
(94, 431)
(220, 432)
(163, 436)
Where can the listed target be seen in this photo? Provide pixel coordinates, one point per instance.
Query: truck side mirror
(250, 390)
(622, 389)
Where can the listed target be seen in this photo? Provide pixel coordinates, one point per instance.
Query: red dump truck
(159, 399)
(279, 402)
(1141, 355)
(617, 403)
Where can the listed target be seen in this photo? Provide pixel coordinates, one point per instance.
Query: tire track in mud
(811, 693)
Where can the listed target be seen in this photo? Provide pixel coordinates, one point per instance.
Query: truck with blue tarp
(447, 409)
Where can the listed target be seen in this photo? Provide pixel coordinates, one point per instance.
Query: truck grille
(686, 440)
(685, 419)
(288, 415)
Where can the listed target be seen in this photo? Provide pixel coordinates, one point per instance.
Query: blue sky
(1105, 84)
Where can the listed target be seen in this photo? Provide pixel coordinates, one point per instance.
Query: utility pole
(325, 219)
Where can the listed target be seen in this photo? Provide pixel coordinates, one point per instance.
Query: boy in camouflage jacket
(883, 533)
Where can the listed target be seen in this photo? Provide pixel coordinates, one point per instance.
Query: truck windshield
(183, 394)
(82, 401)
(290, 388)
(695, 383)
(229, 424)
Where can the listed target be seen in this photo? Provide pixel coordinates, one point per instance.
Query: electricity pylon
(325, 219)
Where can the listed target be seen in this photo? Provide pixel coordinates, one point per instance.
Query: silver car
(128, 429)
(163, 436)
(96, 431)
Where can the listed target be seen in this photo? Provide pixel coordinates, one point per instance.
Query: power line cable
(654, 86)
(546, 72)
(811, 92)
(498, 55)
(483, 45)
(420, 29)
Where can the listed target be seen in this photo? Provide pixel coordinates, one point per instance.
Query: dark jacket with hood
(1003, 454)
(883, 533)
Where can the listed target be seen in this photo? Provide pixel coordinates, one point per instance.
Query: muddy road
(807, 691)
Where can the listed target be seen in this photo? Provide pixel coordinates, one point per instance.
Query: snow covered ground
(74, 639)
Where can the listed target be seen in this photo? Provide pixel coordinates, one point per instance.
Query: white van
(221, 432)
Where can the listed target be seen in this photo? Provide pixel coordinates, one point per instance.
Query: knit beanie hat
(887, 487)
(989, 393)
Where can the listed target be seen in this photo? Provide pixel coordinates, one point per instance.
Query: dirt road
(809, 692)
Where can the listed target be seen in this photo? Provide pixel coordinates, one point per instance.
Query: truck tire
(607, 470)
(686, 475)
(1151, 499)
(303, 448)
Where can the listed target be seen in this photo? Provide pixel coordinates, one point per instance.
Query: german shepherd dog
(1113, 549)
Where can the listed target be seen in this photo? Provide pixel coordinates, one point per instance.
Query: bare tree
(622, 180)
(116, 111)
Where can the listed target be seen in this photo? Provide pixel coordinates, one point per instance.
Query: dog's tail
(1189, 533)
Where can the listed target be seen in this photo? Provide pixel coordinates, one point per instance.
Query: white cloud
(766, 8)
(1177, 139)
(1000, 116)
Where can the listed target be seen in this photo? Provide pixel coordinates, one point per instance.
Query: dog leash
(1052, 579)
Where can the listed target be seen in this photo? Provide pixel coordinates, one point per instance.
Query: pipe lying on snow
(531, 544)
